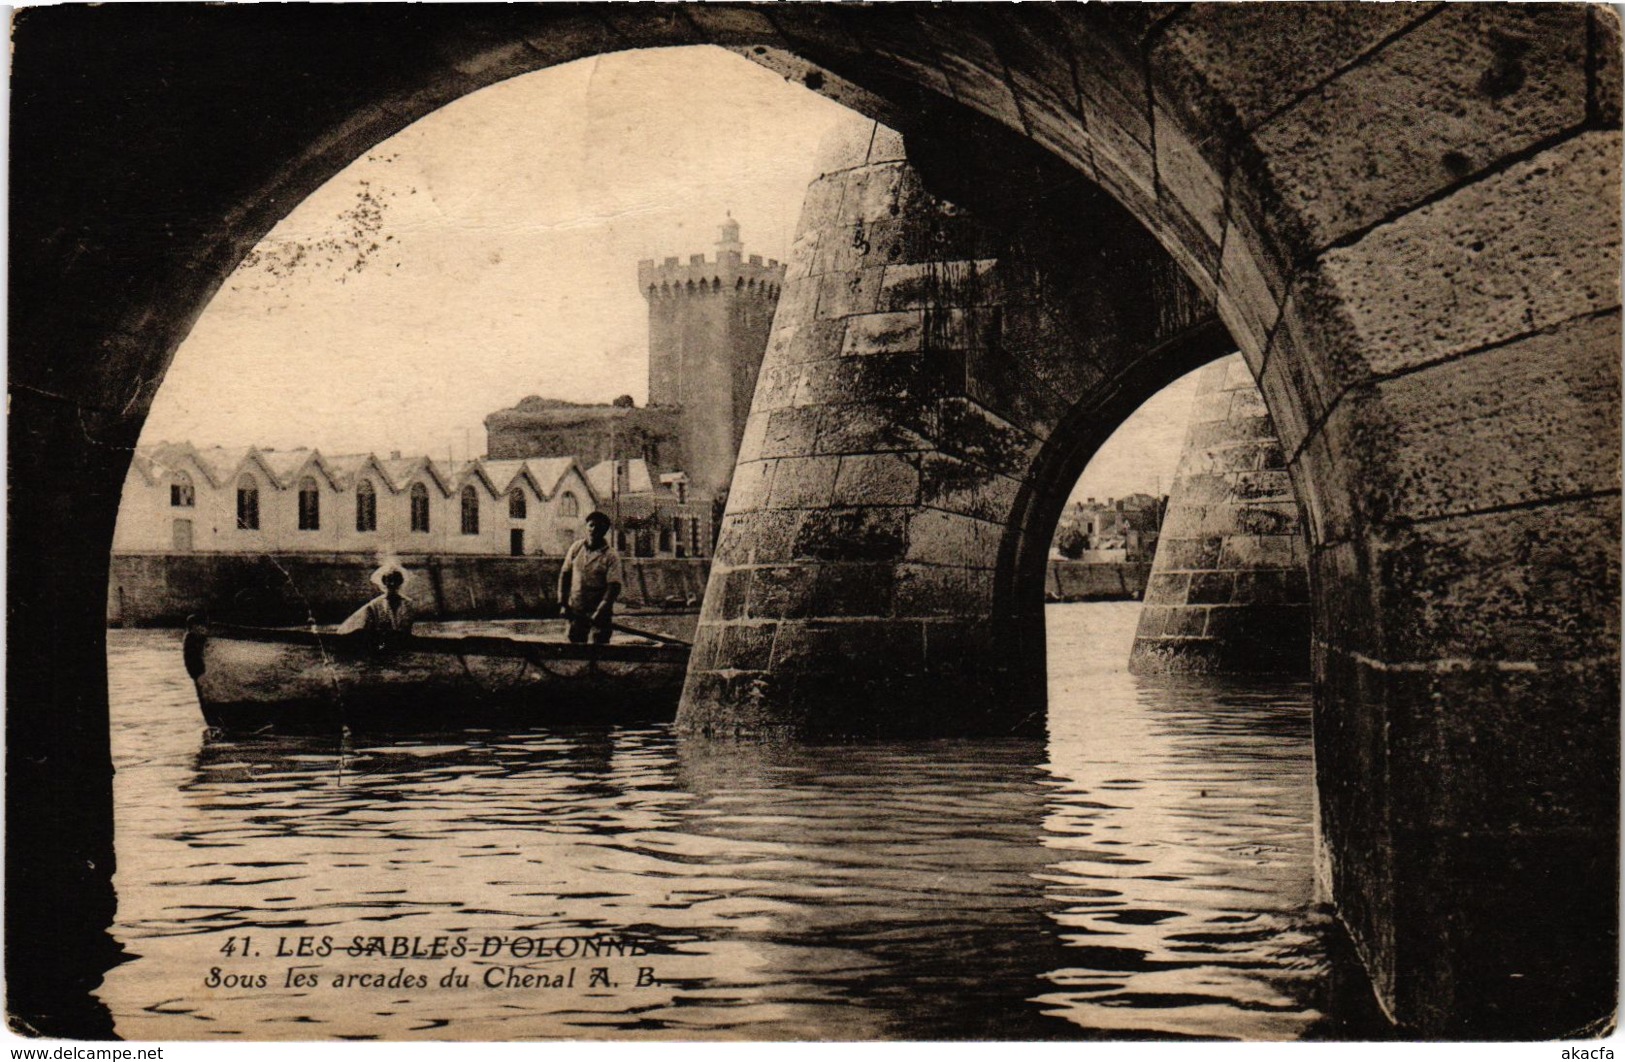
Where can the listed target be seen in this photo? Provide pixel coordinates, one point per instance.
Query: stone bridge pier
(1407, 217)
(933, 382)
(938, 375)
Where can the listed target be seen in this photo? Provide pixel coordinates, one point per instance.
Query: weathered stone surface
(802, 482)
(1248, 299)
(1244, 62)
(950, 538)
(1547, 406)
(1462, 91)
(852, 293)
(1458, 588)
(870, 427)
(765, 537)
(1189, 177)
(786, 432)
(976, 74)
(1500, 770)
(938, 590)
(877, 479)
(900, 332)
(746, 646)
(1442, 870)
(751, 483)
(725, 593)
(1473, 952)
(1605, 66)
(776, 592)
(865, 534)
(852, 590)
(1417, 290)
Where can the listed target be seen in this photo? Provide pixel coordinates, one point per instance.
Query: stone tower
(708, 328)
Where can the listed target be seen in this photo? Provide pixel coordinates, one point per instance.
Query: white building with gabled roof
(182, 499)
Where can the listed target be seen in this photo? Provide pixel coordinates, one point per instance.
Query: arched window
(181, 493)
(568, 506)
(471, 510)
(716, 283)
(420, 507)
(310, 505)
(248, 503)
(516, 504)
(366, 506)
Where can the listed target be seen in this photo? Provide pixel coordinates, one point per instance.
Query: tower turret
(729, 243)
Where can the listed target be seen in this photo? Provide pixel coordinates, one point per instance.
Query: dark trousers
(581, 625)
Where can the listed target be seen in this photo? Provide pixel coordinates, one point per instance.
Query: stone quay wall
(1068, 580)
(162, 589)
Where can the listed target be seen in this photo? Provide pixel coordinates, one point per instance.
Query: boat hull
(253, 680)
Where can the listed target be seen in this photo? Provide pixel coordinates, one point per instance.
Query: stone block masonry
(1391, 206)
(1229, 587)
(883, 563)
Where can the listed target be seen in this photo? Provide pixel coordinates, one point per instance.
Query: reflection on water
(1146, 872)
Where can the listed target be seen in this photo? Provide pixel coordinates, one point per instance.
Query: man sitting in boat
(389, 612)
(590, 581)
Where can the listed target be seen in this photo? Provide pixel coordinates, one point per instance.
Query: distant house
(1117, 530)
(655, 514)
(182, 499)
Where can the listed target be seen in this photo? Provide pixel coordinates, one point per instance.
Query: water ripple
(1143, 873)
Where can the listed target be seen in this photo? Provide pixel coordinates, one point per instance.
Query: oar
(571, 614)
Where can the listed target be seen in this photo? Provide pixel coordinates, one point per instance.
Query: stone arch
(1402, 149)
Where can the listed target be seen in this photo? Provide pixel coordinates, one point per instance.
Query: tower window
(310, 505)
(366, 506)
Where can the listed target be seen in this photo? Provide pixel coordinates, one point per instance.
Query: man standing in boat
(389, 612)
(590, 581)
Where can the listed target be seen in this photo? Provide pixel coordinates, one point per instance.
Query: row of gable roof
(222, 466)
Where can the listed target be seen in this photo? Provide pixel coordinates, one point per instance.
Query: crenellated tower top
(730, 270)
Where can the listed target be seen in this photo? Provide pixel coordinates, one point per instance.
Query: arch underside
(1405, 217)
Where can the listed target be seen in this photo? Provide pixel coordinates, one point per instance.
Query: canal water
(1145, 872)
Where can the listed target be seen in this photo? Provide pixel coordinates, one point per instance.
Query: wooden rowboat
(258, 679)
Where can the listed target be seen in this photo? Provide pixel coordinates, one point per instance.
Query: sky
(489, 251)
